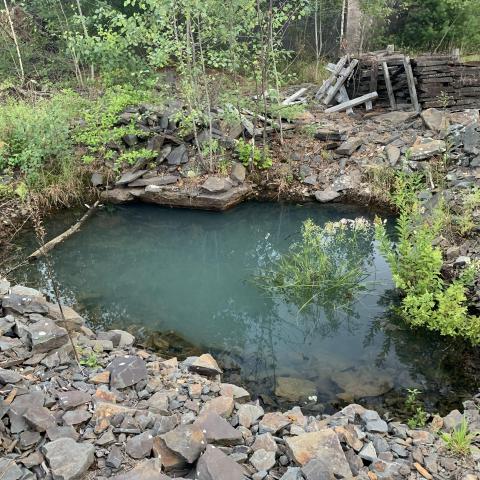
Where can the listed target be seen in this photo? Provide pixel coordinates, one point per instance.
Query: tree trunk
(353, 30)
(15, 41)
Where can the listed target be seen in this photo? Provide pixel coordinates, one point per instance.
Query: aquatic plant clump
(327, 267)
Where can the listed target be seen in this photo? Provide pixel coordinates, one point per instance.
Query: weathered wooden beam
(411, 84)
(289, 100)
(44, 249)
(340, 81)
(328, 83)
(391, 96)
(353, 103)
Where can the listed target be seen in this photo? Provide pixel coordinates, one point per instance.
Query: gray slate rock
(217, 430)
(215, 465)
(73, 398)
(9, 470)
(140, 446)
(39, 418)
(146, 470)
(349, 146)
(262, 460)
(325, 196)
(178, 155)
(188, 441)
(129, 177)
(292, 473)
(9, 376)
(126, 371)
(68, 459)
(97, 179)
(22, 304)
(158, 180)
(217, 185)
(45, 335)
(238, 173)
(427, 149)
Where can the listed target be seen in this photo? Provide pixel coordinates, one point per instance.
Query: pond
(182, 280)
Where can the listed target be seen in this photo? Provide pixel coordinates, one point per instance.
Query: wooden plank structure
(446, 82)
(441, 81)
(334, 87)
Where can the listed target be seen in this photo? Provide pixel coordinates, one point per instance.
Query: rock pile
(132, 415)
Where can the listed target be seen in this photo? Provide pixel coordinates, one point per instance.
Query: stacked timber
(446, 82)
(371, 76)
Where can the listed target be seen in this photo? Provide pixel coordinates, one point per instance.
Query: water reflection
(155, 271)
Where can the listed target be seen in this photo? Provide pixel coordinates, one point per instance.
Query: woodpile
(446, 82)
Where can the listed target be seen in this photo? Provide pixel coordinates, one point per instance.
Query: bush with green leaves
(416, 262)
(249, 154)
(35, 139)
(100, 119)
(327, 267)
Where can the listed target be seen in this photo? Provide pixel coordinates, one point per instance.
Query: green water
(149, 269)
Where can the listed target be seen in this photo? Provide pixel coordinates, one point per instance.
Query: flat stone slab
(173, 197)
(129, 177)
(422, 151)
(325, 196)
(126, 371)
(158, 180)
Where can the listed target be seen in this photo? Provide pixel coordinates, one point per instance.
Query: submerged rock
(295, 389)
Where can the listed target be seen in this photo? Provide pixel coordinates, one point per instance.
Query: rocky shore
(126, 413)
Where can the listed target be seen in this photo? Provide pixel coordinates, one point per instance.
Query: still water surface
(149, 269)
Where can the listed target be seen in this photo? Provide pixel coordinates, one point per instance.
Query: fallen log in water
(44, 249)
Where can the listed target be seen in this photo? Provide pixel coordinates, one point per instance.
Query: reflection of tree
(436, 364)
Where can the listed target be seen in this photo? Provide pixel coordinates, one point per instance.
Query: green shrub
(101, 117)
(326, 267)
(252, 155)
(36, 141)
(416, 263)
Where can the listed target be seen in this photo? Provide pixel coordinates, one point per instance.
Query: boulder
(266, 442)
(126, 371)
(39, 418)
(294, 389)
(178, 155)
(96, 180)
(435, 120)
(73, 321)
(146, 470)
(248, 414)
(323, 447)
(393, 154)
(188, 441)
(349, 146)
(140, 446)
(273, 423)
(263, 460)
(427, 148)
(215, 465)
(217, 185)
(238, 173)
(9, 376)
(23, 304)
(223, 406)
(206, 365)
(453, 420)
(325, 196)
(68, 459)
(217, 430)
(239, 394)
(73, 398)
(129, 177)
